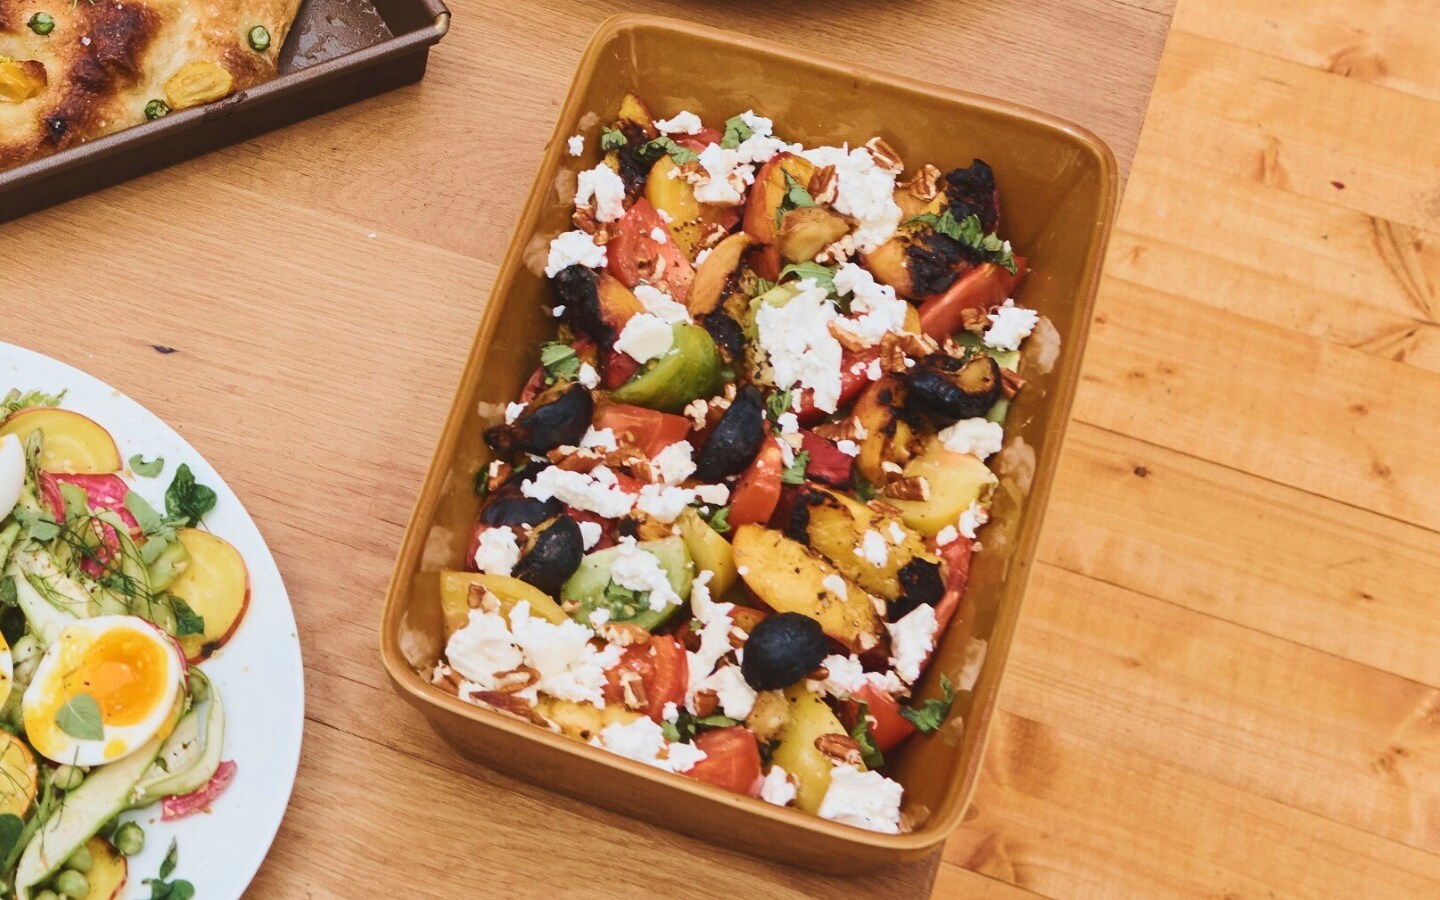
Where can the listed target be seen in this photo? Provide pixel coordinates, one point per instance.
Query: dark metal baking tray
(338, 52)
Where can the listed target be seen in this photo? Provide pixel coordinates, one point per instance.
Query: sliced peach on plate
(74, 444)
(108, 870)
(216, 586)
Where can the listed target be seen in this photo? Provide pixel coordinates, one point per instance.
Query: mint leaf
(612, 139)
(664, 144)
(559, 361)
(736, 133)
(187, 622)
(795, 197)
(970, 232)
(778, 403)
(172, 857)
(147, 469)
(795, 472)
(874, 759)
(720, 520)
(80, 718)
(931, 714)
(186, 500)
(77, 502)
(39, 526)
(823, 276)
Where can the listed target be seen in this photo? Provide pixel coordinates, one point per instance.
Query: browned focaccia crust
(104, 61)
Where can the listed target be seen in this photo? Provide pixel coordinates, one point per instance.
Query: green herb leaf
(719, 520)
(612, 139)
(186, 499)
(687, 725)
(14, 401)
(619, 599)
(146, 469)
(481, 482)
(77, 503)
(931, 714)
(778, 403)
(671, 732)
(864, 490)
(736, 133)
(560, 362)
(145, 515)
(795, 197)
(11, 827)
(187, 620)
(823, 276)
(665, 144)
(172, 856)
(874, 759)
(80, 718)
(9, 596)
(179, 889)
(795, 472)
(39, 526)
(969, 231)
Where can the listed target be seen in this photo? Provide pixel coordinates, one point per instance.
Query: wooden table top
(1226, 680)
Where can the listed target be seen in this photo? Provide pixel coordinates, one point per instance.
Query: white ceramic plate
(258, 672)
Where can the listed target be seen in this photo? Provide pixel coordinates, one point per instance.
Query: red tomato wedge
(647, 429)
(889, 728)
(700, 139)
(663, 669)
(956, 556)
(854, 378)
(634, 255)
(984, 286)
(172, 808)
(757, 492)
(826, 462)
(732, 760)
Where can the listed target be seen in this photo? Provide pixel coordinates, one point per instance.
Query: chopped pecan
(584, 219)
(512, 705)
(623, 633)
(1010, 383)
(713, 235)
(841, 748)
(632, 690)
(837, 252)
(972, 319)
(479, 598)
(847, 429)
(446, 680)
(706, 702)
(913, 487)
(847, 338)
(516, 679)
(885, 156)
(900, 349)
(824, 185)
(925, 184)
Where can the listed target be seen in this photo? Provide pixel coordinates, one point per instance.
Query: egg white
(46, 694)
(12, 473)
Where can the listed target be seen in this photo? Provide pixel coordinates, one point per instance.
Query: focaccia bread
(73, 70)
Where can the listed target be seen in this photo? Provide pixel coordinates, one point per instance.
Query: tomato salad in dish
(735, 506)
(107, 605)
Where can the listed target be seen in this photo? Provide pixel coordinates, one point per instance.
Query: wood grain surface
(1226, 679)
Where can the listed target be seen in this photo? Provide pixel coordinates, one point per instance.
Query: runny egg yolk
(125, 671)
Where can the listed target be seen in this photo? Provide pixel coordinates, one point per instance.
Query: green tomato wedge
(691, 369)
(590, 586)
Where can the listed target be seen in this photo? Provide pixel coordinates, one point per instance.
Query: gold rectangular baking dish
(1057, 186)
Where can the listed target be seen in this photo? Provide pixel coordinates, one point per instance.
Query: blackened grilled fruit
(551, 554)
(736, 439)
(728, 336)
(920, 582)
(556, 418)
(781, 650)
(949, 388)
(508, 509)
(972, 192)
(577, 288)
(936, 260)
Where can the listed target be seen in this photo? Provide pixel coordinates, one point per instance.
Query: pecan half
(972, 319)
(511, 705)
(847, 429)
(632, 690)
(706, 702)
(584, 219)
(885, 156)
(847, 338)
(1010, 383)
(516, 679)
(824, 185)
(837, 252)
(912, 487)
(841, 748)
(900, 349)
(925, 184)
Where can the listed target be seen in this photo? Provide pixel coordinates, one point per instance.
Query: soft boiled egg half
(102, 690)
(12, 472)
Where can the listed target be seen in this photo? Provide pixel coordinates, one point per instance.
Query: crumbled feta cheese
(835, 585)
(675, 463)
(599, 617)
(482, 649)
(639, 570)
(643, 741)
(758, 125)
(645, 337)
(1009, 325)
(575, 144)
(715, 628)
(670, 712)
(713, 494)
(601, 188)
(702, 256)
(864, 191)
(497, 552)
(897, 534)
(977, 436)
(777, 788)
(849, 448)
(736, 695)
(659, 234)
(844, 677)
(574, 248)
(696, 411)
(661, 305)
(876, 311)
(558, 311)
(599, 438)
(590, 533)
(684, 122)
(972, 518)
(569, 666)
(664, 502)
(513, 411)
(873, 548)
(788, 423)
(863, 799)
(874, 372)
(588, 377)
(800, 349)
(911, 640)
(947, 536)
(726, 177)
(598, 491)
